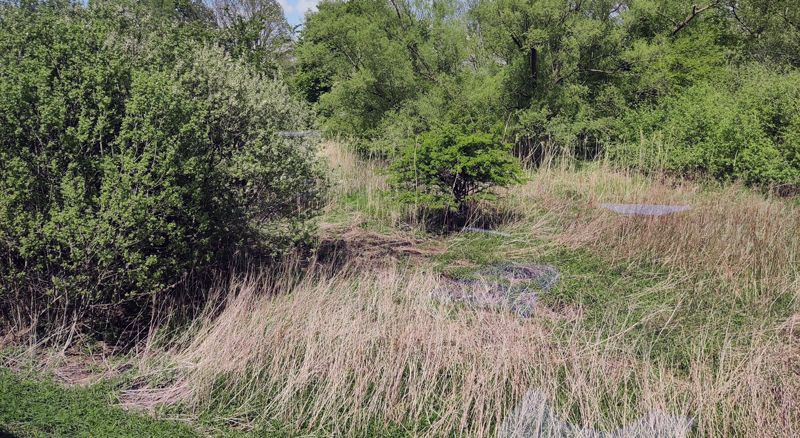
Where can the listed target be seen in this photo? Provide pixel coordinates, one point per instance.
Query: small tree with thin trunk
(451, 167)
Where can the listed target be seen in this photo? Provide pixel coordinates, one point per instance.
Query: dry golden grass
(363, 347)
(358, 346)
(366, 182)
(350, 173)
(751, 240)
(339, 352)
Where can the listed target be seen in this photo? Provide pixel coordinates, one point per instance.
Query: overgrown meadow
(175, 260)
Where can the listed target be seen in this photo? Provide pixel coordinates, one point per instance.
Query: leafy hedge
(133, 155)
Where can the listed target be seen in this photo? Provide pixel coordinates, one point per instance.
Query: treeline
(707, 88)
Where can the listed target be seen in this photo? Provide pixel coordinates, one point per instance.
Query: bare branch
(736, 16)
(399, 17)
(695, 12)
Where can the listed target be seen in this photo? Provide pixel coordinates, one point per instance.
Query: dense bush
(131, 157)
(450, 167)
(748, 128)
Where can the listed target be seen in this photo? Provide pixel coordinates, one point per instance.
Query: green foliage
(449, 167)
(188, 11)
(35, 406)
(361, 43)
(38, 409)
(376, 67)
(769, 30)
(579, 77)
(254, 31)
(132, 157)
(749, 129)
(544, 44)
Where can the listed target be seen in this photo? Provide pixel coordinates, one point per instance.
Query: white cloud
(287, 8)
(303, 6)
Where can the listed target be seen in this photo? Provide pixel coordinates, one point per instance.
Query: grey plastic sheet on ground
(520, 299)
(534, 418)
(299, 134)
(519, 294)
(543, 275)
(645, 209)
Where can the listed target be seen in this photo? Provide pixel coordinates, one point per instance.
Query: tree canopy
(577, 73)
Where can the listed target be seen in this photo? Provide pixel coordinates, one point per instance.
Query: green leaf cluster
(578, 77)
(748, 128)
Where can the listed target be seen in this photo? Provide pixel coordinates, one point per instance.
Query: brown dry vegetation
(738, 235)
(362, 347)
(345, 350)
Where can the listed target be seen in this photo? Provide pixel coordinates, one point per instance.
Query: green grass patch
(40, 408)
(36, 406)
(669, 318)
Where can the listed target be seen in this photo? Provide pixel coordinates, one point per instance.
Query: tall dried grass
(350, 173)
(366, 348)
(742, 236)
(366, 182)
(341, 353)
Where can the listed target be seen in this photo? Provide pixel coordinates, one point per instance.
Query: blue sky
(295, 9)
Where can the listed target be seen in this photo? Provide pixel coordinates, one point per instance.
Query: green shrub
(131, 158)
(748, 128)
(449, 167)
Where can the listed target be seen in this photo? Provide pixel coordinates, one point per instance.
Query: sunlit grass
(691, 314)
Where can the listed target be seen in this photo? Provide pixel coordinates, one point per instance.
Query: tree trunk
(532, 62)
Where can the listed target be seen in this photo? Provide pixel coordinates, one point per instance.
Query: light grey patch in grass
(481, 230)
(520, 298)
(644, 209)
(517, 298)
(299, 134)
(543, 275)
(534, 418)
